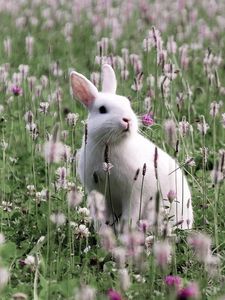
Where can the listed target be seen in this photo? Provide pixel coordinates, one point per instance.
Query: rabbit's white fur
(128, 151)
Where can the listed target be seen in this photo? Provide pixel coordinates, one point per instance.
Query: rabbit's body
(112, 124)
(126, 158)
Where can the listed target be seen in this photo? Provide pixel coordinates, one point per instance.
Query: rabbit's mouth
(127, 128)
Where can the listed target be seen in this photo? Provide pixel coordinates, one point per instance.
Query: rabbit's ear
(109, 82)
(83, 89)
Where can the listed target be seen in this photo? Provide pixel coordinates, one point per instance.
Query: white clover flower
(85, 293)
(31, 189)
(139, 278)
(149, 242)
(73, 224)
(190, 161)
(42, 195)
(4, 145)
(223, 120)
(124, 279)
(84, 211)
(7, 206)
(119, 253)
(2, 239)
(31, 126)
(84, 214)
(82, 231)
(19, 296)
(87, 249)
(58, 218)
(30, 260)
(43, 107)
(1, 108)
(74, 197)
(72, 119)
(184, 127)
(96, 204)
(13, 160)
(71, 185)
(203, 126)
(4, 276)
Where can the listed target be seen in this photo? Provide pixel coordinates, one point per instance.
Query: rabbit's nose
(126, 120)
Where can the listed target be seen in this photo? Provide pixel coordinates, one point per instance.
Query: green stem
(140, 206)
(203, 181)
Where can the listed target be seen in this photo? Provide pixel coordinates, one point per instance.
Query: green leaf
(8, 251)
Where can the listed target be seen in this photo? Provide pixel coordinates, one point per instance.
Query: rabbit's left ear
(109, 83)
(83, 89)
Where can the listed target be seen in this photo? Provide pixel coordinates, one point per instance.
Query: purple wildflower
(53, 151)
(171, 132)
(17, 90)
(133, 242)
(173, 281)
(114, 295)
(162, 251)
(147, 119)
(201, 244)
(214, 108)
(171, 196)
(191, 291)
(143, 225)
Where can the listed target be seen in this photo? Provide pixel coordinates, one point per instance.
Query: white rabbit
(112, 131)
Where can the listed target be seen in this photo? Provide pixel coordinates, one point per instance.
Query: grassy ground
(47, 254)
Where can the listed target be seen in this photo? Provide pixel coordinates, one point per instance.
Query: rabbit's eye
(102, 109)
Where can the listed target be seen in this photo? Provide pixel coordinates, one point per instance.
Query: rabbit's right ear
(109, 82)
(83, 89)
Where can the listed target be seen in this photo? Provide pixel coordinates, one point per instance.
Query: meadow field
(168, 57)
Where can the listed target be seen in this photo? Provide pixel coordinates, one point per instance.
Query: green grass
(62, 266)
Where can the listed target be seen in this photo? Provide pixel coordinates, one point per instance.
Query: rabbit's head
(111, 117)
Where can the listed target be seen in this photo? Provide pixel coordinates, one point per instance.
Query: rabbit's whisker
(103, 138)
